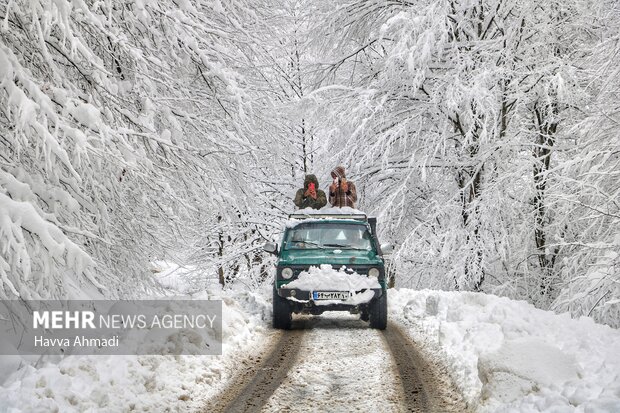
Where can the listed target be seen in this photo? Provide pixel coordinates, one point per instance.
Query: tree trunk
(546, 128)
(469, 181)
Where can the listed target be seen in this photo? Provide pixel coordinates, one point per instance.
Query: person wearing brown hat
(342, 193)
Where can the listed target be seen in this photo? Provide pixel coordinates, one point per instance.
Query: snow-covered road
(336, 363)
(501, 355)
(342, 366)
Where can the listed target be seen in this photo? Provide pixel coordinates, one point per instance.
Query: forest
(483, 135)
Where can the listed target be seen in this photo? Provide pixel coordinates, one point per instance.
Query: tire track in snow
(251, 389)
(338, 364)
(425, 388)
(415, 395)
(344, 366)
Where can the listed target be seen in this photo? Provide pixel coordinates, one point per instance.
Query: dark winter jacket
(303, 200)
(338, 196)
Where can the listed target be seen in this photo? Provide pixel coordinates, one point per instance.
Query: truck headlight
(373, 272)
(287, 273)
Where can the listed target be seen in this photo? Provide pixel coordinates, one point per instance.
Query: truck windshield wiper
(337, 245)
(345, 246)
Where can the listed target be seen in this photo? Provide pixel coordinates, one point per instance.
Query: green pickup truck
(329, 262)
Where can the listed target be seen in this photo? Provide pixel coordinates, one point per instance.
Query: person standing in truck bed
(310, 196)
(342, 193)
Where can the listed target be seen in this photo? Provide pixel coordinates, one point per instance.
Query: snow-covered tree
(459, 119)
(125, 127)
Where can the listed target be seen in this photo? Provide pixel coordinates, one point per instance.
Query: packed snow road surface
(336, 363)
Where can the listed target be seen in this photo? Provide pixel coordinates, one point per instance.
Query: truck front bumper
(298, 295)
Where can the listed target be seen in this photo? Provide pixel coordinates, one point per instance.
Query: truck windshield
(320, 236)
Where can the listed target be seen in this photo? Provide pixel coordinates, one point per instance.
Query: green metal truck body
(346, 243)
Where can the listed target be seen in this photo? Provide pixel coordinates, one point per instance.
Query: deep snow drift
(503, 355)
(506, 355)
(141, 383)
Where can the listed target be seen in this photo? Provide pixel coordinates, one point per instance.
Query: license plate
(331, 295)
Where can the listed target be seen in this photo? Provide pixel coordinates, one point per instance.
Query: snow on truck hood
(328, 279)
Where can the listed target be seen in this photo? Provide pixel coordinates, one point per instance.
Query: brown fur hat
(338, 172)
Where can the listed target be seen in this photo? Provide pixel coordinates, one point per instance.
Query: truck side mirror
(271, 247)
(387, 248)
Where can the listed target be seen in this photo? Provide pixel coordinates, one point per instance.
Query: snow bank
(141, 383)
(508, 356)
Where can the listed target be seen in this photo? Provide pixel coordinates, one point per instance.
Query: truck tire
(378, 312)
(282, 317)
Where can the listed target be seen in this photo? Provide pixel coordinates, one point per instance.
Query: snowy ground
(503, 355)
(511, 357)
(142, 383)
(342, 365)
